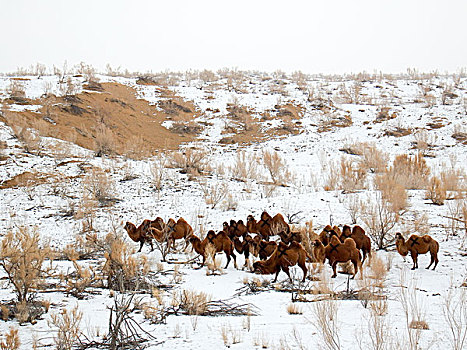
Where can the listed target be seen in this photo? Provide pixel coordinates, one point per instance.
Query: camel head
(400, 244)
(258, 267)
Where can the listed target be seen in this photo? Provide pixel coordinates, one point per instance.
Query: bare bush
(277, 168)
(373, 159)
(158, 171)
(11, 341)
(67, 323)
(326, 324)
(122, 270)
(294, 309)
(436, 192)
(16, 88)
(215, 193)
(100, 186)
(354, 207)
(22, 258)
(392, 192)
(192, 161)
(245, 166)
(455, 315)
(352, 178)
(412, 172)
(380, 220)
(104, 141)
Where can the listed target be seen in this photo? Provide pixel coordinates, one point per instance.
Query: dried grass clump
(245, 166)
(277, 168)
(294, 309)
(392, 192)
(193, 302)
(11, 341)
(436, 192)
(373, 159)
(100, 186)
(192, 161)
(122, 270)
(411, 172)
(23, 259)
(67, 323)
(104, 141)
(326, 323)
(136, 148)
(378, 270)
(215, 193)
(352, 178)
(419, 325)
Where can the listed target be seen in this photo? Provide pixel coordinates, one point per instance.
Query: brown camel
(327, 232)
(416, 245)
(318, 251)
(178, 230)
(267, 225)
(282, 258)
(140, 234)
(337, 252)
(262, 248)
(293, 236)
(222, 243)
(362, 241)
(235, 228)
(242, 246)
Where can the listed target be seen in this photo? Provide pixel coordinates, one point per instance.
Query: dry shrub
(23, 260)
(351, 178)
(380, 220)
(455, 314)
(245, 166)
(326, 324)
(411, 172)
(67, 323)
(373, 159)
(215, 193)
(104, 141)
(193, 302)
(436, 192)
(81, 279)
(100, 186)
(294, 309)
(452, 179)
(332, 177)
(277, 168)
(86, 212)
(423, 141)
(308, 235)
(136, 148)
(378, 270)
(213, 265)
(122, 270)
(393, 192)
(158, 171)
(192, 161)
(354, 207)
(11, 341)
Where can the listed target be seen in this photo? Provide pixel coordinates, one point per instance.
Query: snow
(308, 155)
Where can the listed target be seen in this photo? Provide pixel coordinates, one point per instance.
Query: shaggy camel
(235, 228)
(262, 248)
(337, 252)
(318, 251)
(243, 247)
(327, 232)
(267, 225)
(418, 245)
(293, 236)
(178, 230)
(362, 241)
(282, 258)
(140, 233)
(222, 243)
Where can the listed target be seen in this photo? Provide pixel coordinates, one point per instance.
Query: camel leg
(364, 256)
(355, 267)
(305, 271)
(277, 274)
(334, 266)
(286, 270)
(436, 261)
(414, 259)
(235, 260)
(228, 259)
(141, 243)
(432, 260)
(152, 246)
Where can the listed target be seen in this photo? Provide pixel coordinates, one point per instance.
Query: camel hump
(427, 239)
(358, 230)
(335, 240)
(349, 242)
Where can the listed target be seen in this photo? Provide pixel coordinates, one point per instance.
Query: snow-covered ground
(309, 155)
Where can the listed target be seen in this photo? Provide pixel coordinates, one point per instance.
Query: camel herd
(332, 244)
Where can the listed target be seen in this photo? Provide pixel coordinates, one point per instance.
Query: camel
(293, 236)
(362, 241)
(282, 258)
(235, 228)
(222, 243)
(140, 234)
(418, 245)
(318, 251)
(267, 225)
(243, 247)
(337, 252)
(178, 230)
(327, 232)
(262, 248)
